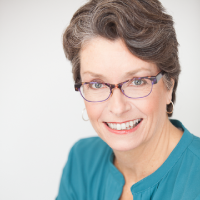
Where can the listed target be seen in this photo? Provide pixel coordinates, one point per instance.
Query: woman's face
(111, 62)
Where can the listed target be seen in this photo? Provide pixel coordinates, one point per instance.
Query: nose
(118, 103)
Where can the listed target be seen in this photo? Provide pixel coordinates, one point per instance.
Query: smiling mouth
(124, 126)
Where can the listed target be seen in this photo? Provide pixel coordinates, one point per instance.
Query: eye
(96, 85)
(138, 82)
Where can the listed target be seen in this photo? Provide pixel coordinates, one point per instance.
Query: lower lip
(122, 132)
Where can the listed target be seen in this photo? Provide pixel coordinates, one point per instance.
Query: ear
(170, 91)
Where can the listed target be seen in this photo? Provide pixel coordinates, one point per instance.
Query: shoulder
(89, 143)
(89, 154)
(189, 170)
(90, 146)
(194, 147)
(86, 167)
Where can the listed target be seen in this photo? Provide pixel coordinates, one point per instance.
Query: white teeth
(119, 127)
(124, 126)
(131, 123)
(111, 125)
(127, 124)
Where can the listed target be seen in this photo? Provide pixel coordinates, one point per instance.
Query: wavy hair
(144, 26)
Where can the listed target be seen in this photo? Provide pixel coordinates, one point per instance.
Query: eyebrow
(94, 74)
(131, 73)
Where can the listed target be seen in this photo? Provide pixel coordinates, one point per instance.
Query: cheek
(153, 104)
(148, 107)
(95, 114)
(94, 111)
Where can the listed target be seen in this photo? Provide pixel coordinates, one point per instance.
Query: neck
(142, 161)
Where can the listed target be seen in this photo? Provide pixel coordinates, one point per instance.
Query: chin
(122, 143)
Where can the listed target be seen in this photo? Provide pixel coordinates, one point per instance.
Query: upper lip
(123, 121)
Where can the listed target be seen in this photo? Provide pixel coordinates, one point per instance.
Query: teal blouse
(90, 174)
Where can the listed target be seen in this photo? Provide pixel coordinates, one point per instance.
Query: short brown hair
(143, 25)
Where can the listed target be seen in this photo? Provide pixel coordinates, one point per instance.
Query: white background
(40, 113)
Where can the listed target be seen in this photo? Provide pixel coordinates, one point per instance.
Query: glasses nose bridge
(114, 86)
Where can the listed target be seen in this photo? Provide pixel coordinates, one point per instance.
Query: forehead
(112, 60)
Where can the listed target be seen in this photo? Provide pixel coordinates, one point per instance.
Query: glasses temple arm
(77, 86)
(158, 77)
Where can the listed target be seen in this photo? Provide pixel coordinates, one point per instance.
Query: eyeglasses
(134, 88)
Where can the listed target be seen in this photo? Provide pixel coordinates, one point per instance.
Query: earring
(172, 108)
(83, 115)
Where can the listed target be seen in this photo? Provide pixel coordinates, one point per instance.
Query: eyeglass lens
(135, 88)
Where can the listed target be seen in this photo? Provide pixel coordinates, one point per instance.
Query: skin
(141, 152)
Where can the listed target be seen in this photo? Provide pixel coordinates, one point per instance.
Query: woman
(125, 65)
